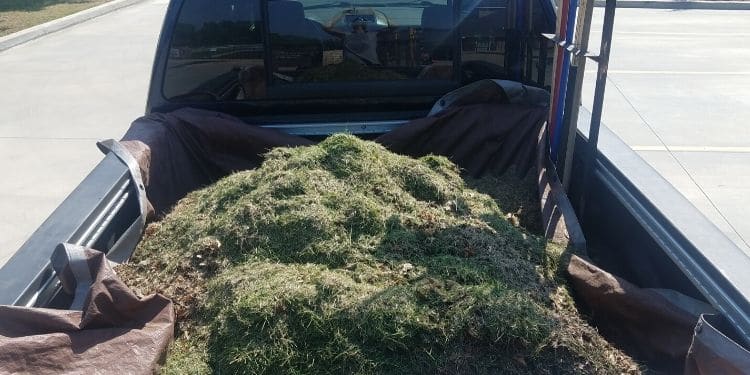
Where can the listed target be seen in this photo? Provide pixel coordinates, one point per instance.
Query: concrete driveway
(679, 95)
(60, 94)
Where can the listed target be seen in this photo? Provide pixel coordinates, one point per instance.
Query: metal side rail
(102, 213)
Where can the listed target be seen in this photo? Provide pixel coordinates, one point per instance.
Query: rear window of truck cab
(229, 50)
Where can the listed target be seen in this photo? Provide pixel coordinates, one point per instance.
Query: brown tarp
(116, 333)
(479, 138)
(713, 351)
(655, 325)
(187, 149)
(650, 325)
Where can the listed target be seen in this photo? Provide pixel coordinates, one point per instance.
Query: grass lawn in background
(16, 15)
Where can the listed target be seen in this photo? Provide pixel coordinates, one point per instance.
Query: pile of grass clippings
(516, 196)
(346, 258)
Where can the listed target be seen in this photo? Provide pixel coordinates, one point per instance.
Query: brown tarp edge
(473, 137)
(187, 149)
(712, 351)
(116, 332)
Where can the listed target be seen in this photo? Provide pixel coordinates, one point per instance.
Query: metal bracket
(71, 256)
(132, 235)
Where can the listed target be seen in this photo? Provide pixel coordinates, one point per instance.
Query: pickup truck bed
(635, 224)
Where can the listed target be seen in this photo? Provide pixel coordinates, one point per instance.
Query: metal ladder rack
(571, 55)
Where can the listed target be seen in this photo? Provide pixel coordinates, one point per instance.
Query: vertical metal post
(528, 42)
(573, 101)
(596, 111)
(456, 36)
(267, 52)
(513, 40)
(562, 24)
(541, 66)
(561, 93)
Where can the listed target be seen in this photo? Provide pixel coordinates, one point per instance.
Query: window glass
(319, 41)
(216, 51)
(484, 33)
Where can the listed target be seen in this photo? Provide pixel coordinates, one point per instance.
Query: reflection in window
(329, 42)
(216, 52)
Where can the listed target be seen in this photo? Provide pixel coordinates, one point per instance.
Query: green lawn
(17, 15)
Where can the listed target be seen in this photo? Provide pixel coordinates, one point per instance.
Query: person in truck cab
(359, 44)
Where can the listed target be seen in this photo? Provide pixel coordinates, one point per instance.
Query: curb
(50, 27)
(680, 4)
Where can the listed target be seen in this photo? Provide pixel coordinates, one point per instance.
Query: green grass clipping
(345, 258)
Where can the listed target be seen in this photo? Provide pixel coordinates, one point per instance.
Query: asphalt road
(60, 94)
(679, 94)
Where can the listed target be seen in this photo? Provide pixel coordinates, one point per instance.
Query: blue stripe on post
(562, 88)
(560, 29)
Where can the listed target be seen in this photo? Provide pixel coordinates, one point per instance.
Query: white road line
(732, 149)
